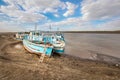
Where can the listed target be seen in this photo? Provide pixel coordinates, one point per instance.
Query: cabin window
(52, 37)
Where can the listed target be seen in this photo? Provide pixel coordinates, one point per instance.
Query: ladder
(42, 55)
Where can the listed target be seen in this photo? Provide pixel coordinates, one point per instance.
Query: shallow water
(85, 45)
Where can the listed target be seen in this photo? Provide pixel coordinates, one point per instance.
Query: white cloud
(100, 9)
(29, 10)
(110, 25)
(76, 24)
(10, 27)
(22, 16)
(70, 9)
(40, 5)
(50, 10)
(56, 15)
(28, 17)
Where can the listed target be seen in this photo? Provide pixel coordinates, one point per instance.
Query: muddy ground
(18, 64)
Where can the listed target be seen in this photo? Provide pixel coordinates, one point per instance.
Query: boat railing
(43, 45)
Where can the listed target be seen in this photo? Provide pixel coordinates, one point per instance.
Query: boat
(56, 39)
(38, 48)
(59, 45)
(19, 35)
(34, 36)
(36, 42)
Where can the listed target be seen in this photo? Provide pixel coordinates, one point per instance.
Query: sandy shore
(17, 64)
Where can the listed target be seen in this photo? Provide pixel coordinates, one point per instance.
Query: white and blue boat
(59, 43)
(57, 40)
(42, 42)
(38, 48)
(20, 35)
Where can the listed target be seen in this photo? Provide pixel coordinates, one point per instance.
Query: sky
(67, 15)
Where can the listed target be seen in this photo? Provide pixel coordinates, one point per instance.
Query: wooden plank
(42, 58)
(42, 55)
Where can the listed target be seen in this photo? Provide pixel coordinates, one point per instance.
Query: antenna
(50, 27)
(35, 27)
(58, 29)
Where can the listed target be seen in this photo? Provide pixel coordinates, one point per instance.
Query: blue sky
(67, 15)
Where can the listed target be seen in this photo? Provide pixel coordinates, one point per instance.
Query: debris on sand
(18, 46)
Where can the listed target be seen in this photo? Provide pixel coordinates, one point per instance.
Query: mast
(58, 29)
(50, 27)
(35, 28)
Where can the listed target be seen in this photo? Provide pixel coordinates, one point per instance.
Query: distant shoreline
(117, 32)
(107, 32)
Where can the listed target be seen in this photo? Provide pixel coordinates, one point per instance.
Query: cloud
(100, 9)
(110, 25)
(34, 17)
(70, 9)
(10, 27)
(23, 16)
(30, 10)
(56, 15)
(42, 5)
(50, 10)
(19, 15)
(73, 24)
(78, 24)
(36, 4)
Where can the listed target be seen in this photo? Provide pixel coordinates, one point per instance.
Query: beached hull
(37, 48)
(58, 46)
(58, 50)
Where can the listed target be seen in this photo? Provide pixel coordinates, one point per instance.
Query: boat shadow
(56, 55)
